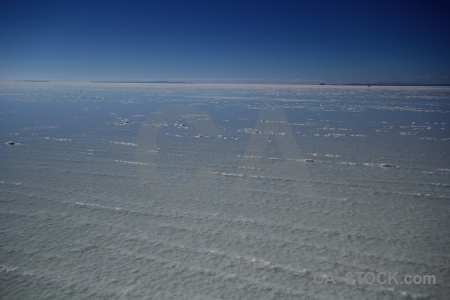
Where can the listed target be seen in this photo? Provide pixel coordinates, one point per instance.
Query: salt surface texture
(147, 191)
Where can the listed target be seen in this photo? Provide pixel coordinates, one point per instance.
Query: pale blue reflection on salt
(233, 191)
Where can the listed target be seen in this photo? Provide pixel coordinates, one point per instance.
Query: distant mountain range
(132, 81)
(187, 82)
(392, 84)
(32, 80)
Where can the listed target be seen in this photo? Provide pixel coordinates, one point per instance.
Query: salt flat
(186, 191)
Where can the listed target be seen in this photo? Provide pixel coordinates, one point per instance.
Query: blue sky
(225, 41)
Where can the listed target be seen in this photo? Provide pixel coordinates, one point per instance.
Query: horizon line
(237, 81)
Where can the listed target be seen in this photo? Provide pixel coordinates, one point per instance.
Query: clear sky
(280, 41)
